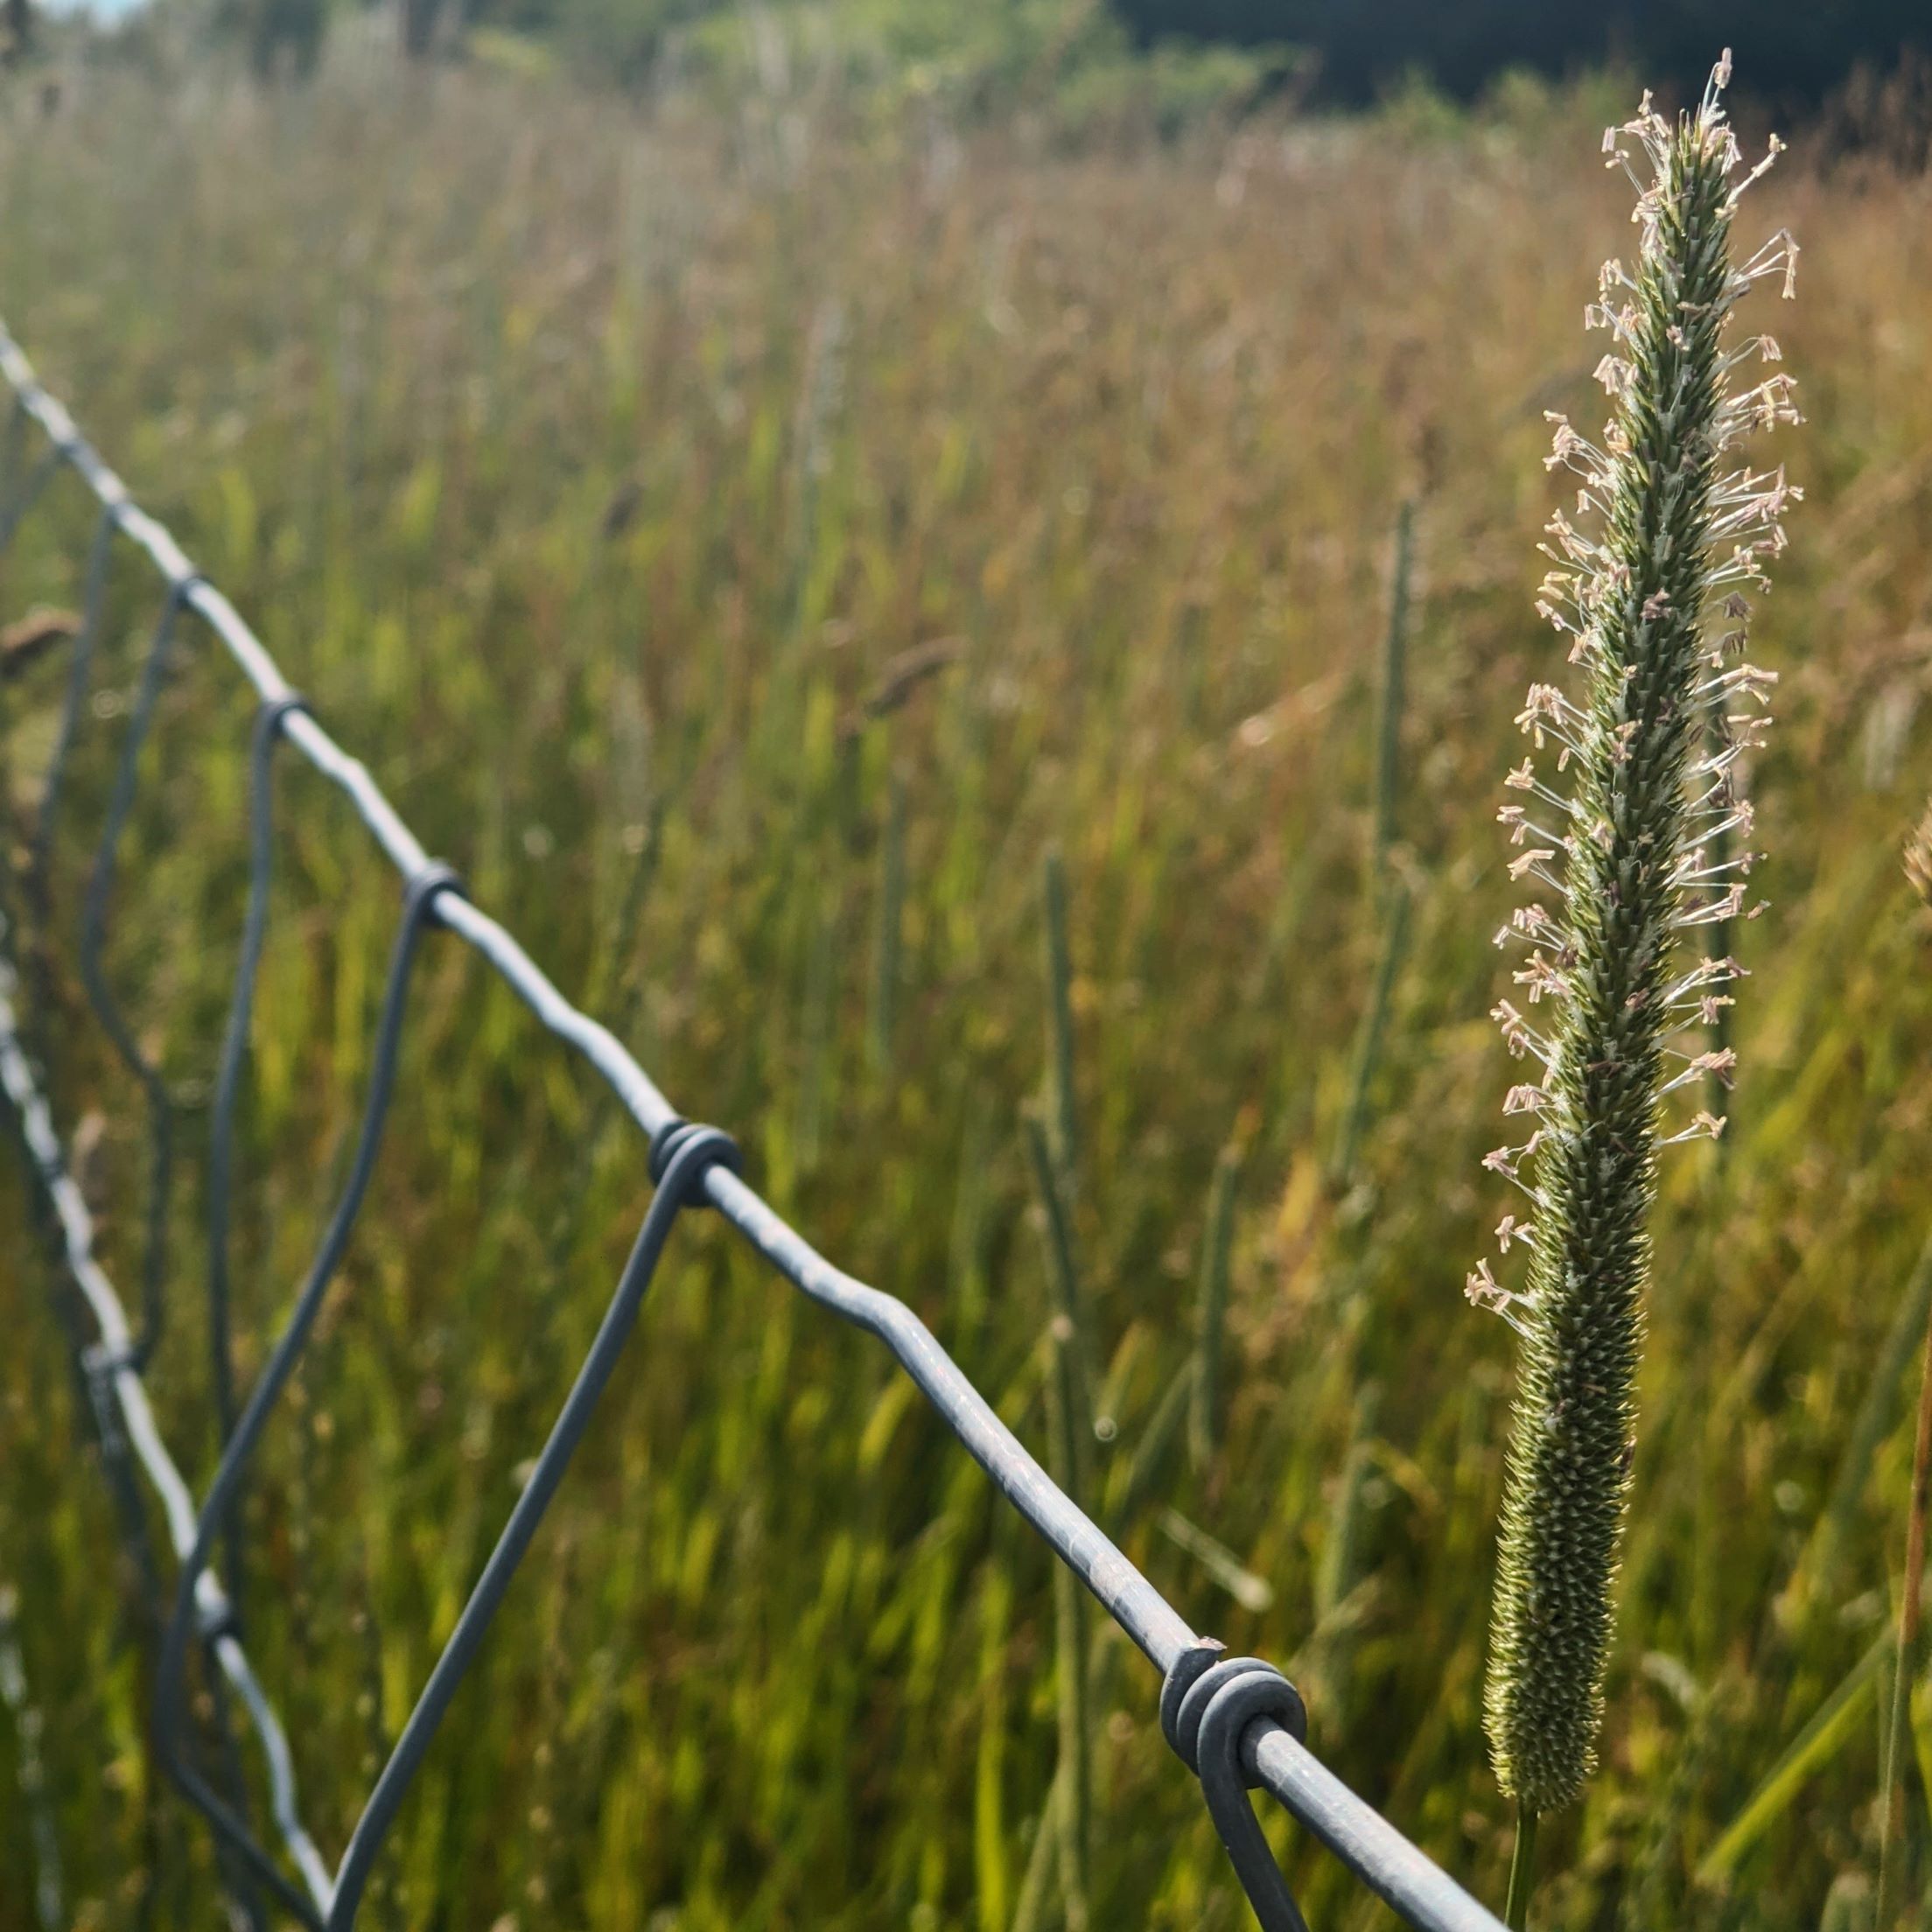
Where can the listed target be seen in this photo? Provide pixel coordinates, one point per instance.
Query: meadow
(747, 538)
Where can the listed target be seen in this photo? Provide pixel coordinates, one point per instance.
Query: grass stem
(1388, 722)
(1062, 1120)
(1070, 1617)
(1204, 1435)
(1374, 1024)
(1905, 1669)
(1070, 1335)
(1515, 1911)
(887, 936)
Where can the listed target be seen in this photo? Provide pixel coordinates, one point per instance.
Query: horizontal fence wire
(1235, 1722)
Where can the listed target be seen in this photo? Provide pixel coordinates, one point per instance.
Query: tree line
(1795, 53)
(1792, 51)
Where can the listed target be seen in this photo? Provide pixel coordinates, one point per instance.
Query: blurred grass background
(746, 537)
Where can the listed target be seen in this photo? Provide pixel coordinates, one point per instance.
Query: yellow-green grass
(589, 467)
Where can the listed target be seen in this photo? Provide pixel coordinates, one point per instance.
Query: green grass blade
(1393, 692)
(1253, 1593)
(888, 935)
(1063, 1277)
(1211, 1320)
(1062, 1116)
(1368, 1032)
(1836, 1720)
(1818, 1566)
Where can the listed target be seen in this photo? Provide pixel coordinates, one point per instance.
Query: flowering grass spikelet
(1638, 833)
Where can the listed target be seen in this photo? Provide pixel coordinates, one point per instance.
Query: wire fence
(1236, 1723)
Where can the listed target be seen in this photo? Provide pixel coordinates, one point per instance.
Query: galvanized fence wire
(1236, 1723)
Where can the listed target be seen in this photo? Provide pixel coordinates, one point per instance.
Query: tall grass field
(760, 543)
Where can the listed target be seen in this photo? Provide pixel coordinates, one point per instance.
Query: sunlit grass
(591, 471)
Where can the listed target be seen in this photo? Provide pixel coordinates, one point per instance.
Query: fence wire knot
(216, 1616)
(103, 1360)
(274, 713)
(425, 886)
(678, 1136)
(1208, 1702)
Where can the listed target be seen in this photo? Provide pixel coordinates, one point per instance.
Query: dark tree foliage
(1790, 51)
(283, 38)
(16, 30)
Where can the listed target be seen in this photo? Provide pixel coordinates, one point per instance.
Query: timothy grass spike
(1625, 853)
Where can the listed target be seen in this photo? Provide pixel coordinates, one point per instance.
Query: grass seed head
(1918, 857)
(1638, 833)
